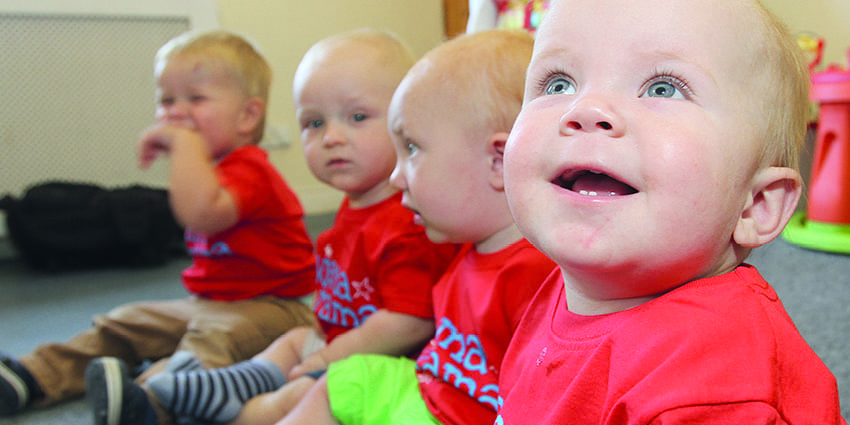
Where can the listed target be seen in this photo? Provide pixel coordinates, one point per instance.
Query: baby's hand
(313, 363)
(158, 140)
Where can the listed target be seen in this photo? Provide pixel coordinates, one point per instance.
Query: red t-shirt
(720, 350)
(477, 304)
(268, 252)
(375, 258)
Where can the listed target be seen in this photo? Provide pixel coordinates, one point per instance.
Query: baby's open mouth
(590, 183)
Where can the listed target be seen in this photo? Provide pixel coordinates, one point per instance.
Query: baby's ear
(496, 153)
(252, 115)
(770, 204)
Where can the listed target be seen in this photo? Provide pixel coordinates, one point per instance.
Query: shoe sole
(17, 384)
(106, 406)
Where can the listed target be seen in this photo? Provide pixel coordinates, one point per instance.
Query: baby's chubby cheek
(519, 207)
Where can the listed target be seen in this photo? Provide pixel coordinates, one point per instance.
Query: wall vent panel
(75, 93)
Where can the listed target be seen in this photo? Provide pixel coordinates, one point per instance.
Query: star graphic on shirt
(329, 252)
(363, 289)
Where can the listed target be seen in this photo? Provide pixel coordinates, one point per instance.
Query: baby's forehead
(725, 37)
(351, 58)
(364, 51)
(705, 22)
(195, 71)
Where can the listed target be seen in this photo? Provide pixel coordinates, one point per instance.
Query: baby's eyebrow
(662, 57)
(549, 54)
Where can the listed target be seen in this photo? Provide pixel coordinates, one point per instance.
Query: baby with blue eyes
(656, 147)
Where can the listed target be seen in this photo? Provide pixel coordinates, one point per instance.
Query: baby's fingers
(153, 143)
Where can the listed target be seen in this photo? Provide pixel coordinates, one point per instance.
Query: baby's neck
(499, 240)
(372, 196)
(578, 303)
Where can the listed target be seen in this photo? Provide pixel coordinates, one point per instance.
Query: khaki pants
(218, 333)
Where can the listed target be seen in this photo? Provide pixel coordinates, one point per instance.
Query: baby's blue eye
(412, 148)
(359, 117)
(315, 123)
(664, 89)
(560, 86)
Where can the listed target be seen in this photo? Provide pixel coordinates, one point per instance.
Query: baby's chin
(435, 236)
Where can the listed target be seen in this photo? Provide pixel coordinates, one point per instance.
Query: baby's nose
(335, 134)
(592, 115)
(181, 120)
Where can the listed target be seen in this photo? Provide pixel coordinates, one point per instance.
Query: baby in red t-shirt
(656, 148)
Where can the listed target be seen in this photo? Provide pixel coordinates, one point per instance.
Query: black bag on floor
(58, 225)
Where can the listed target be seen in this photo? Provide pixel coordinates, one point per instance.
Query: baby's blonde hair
(393, 57)
(786, 98)
(232, 52)
(487, 76)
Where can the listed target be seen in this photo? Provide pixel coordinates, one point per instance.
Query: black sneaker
(113, 396)
(17, 386)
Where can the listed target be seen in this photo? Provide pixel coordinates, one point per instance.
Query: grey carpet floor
(38, 307)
